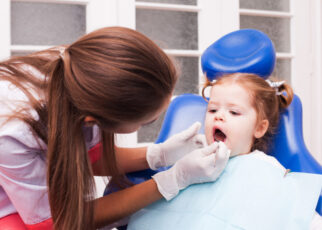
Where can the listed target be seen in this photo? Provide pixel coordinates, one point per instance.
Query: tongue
(220, 136)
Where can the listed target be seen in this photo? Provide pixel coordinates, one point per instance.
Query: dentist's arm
(199, 166)
(154, 155)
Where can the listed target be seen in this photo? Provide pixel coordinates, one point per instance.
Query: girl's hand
(199, 166)
(177, 146)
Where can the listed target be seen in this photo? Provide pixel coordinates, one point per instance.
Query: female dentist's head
(114, 77)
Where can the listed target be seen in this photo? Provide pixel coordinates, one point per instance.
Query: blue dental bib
(250, 194)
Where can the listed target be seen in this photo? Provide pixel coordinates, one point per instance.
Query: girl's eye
(234, 113)
(212, 110)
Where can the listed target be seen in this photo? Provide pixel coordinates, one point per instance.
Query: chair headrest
(245, 51)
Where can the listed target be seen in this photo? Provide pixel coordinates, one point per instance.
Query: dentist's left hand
(168, 152)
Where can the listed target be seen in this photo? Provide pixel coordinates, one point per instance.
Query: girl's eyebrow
(229, 104)
(212, 102)
(233, 105)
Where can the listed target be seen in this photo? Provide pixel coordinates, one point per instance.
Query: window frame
(5, 38)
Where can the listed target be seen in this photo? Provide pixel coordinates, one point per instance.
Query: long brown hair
(265, 100)
(115, 75)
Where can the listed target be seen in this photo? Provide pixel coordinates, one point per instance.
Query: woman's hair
(116, 75)
(266, 100)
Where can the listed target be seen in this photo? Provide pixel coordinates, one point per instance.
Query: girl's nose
(219, 116)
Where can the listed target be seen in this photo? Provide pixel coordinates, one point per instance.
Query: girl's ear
(261, 128)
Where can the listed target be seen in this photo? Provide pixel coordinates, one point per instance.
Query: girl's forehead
(231, 92)
(230, 87)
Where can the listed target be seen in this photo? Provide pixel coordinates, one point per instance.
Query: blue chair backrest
(243, 51)
(288, 145)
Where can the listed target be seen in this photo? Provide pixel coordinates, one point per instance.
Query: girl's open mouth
(219, 135)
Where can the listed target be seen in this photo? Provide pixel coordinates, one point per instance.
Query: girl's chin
(234, 153)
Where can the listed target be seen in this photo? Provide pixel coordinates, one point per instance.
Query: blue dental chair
(249, 51)
(288, 144)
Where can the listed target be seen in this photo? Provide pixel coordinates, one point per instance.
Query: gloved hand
(168, 152)
(199, 166)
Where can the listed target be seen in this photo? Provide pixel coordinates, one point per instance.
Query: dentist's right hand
(199, 166)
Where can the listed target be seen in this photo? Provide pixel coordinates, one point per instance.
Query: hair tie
(61, 52)
(275, 85)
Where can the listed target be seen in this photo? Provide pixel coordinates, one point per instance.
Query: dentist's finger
(191, 131)
(200, 140)
(222, 154)
(210, 149)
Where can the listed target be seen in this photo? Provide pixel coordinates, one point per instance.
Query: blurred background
(184, 29)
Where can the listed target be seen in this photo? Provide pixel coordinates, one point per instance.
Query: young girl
(58, 103)
(244, 102)
(254, 191)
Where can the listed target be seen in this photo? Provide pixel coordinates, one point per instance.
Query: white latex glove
(199, 166)
(177, 146)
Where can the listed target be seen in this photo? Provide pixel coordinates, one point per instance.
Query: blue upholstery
(244, 51)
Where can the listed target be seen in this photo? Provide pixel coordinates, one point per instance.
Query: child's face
(231, 118)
